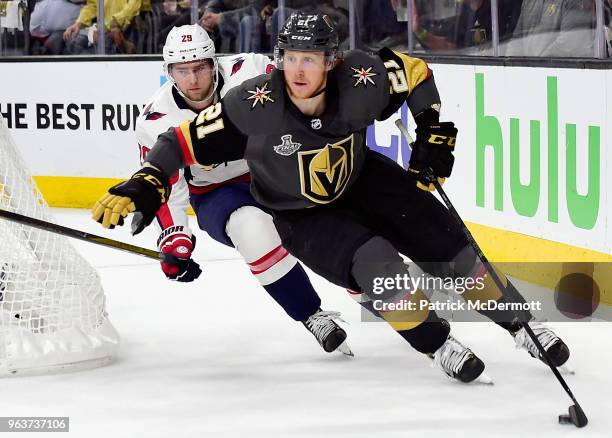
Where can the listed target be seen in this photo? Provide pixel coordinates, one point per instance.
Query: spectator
(222, 19)
(474, 24)
(173, 13)
(81, 36)
(381, 26)
(554, 28)
(464, 26)
(48, 21)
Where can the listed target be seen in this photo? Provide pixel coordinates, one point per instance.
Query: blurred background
(490, 28)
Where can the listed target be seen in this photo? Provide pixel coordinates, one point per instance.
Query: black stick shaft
(508, 293)
(81, 235)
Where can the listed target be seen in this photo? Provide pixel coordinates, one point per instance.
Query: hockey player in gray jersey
(345, 211)
(219, 194)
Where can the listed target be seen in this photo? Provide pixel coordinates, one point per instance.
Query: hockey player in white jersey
(220, 194)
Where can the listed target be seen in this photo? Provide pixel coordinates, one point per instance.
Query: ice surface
(219, 358)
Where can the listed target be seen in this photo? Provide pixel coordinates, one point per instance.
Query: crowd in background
(552, 28)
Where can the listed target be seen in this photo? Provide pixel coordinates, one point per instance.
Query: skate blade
(567, 369)
(483, 379)
(344, 349)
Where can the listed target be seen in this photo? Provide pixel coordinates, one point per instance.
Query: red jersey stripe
(165, 217)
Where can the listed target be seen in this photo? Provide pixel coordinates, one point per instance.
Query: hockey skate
(460, 363)
(554, 346)
(330, 336)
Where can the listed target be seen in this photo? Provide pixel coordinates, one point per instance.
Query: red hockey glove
(177, 247)
(433, 149)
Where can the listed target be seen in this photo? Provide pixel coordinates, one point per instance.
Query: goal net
(52, 305)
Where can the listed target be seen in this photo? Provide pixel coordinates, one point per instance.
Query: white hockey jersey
(166, 109)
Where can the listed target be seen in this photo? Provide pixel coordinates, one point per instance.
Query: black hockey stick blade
(576, 414)
(81, 235)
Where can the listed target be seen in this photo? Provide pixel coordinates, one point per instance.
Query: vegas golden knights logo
(324, 173)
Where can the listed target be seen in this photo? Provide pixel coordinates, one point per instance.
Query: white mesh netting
(52, 305)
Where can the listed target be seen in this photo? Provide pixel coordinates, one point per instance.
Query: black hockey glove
(177, 246)
(433, 149)
(144, 193)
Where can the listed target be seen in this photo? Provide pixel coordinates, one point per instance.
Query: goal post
(52, 305)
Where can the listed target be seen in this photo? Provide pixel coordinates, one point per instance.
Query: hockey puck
(574, 416)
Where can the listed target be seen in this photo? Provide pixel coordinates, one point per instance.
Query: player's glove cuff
(432, 153)
(144, 193)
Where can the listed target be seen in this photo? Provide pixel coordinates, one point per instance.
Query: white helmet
(189, 43)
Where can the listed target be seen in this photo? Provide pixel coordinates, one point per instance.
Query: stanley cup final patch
(287, 147)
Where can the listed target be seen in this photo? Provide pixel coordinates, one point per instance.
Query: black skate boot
(331, 336)
(554, 346)
(459, 362)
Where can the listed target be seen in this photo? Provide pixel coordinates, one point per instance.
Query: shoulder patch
(236, 65)
(260, 95)
(363, 76)
(153, 115)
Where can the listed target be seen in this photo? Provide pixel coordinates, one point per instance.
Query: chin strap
(321, 91)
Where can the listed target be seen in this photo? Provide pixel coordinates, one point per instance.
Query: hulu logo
(526, 198)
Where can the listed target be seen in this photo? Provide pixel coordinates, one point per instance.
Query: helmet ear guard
(186, 44)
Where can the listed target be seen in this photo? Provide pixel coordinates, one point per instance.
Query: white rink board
(98, 150)
(581, 101)
(511, 92)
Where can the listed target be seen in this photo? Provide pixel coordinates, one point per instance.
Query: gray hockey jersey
(297, 161)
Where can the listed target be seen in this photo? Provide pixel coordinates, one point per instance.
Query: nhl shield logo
(324, 173)
(287, 147)
(316, 124)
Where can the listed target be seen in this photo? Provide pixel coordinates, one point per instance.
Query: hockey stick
(576, 414)
(81, 235)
